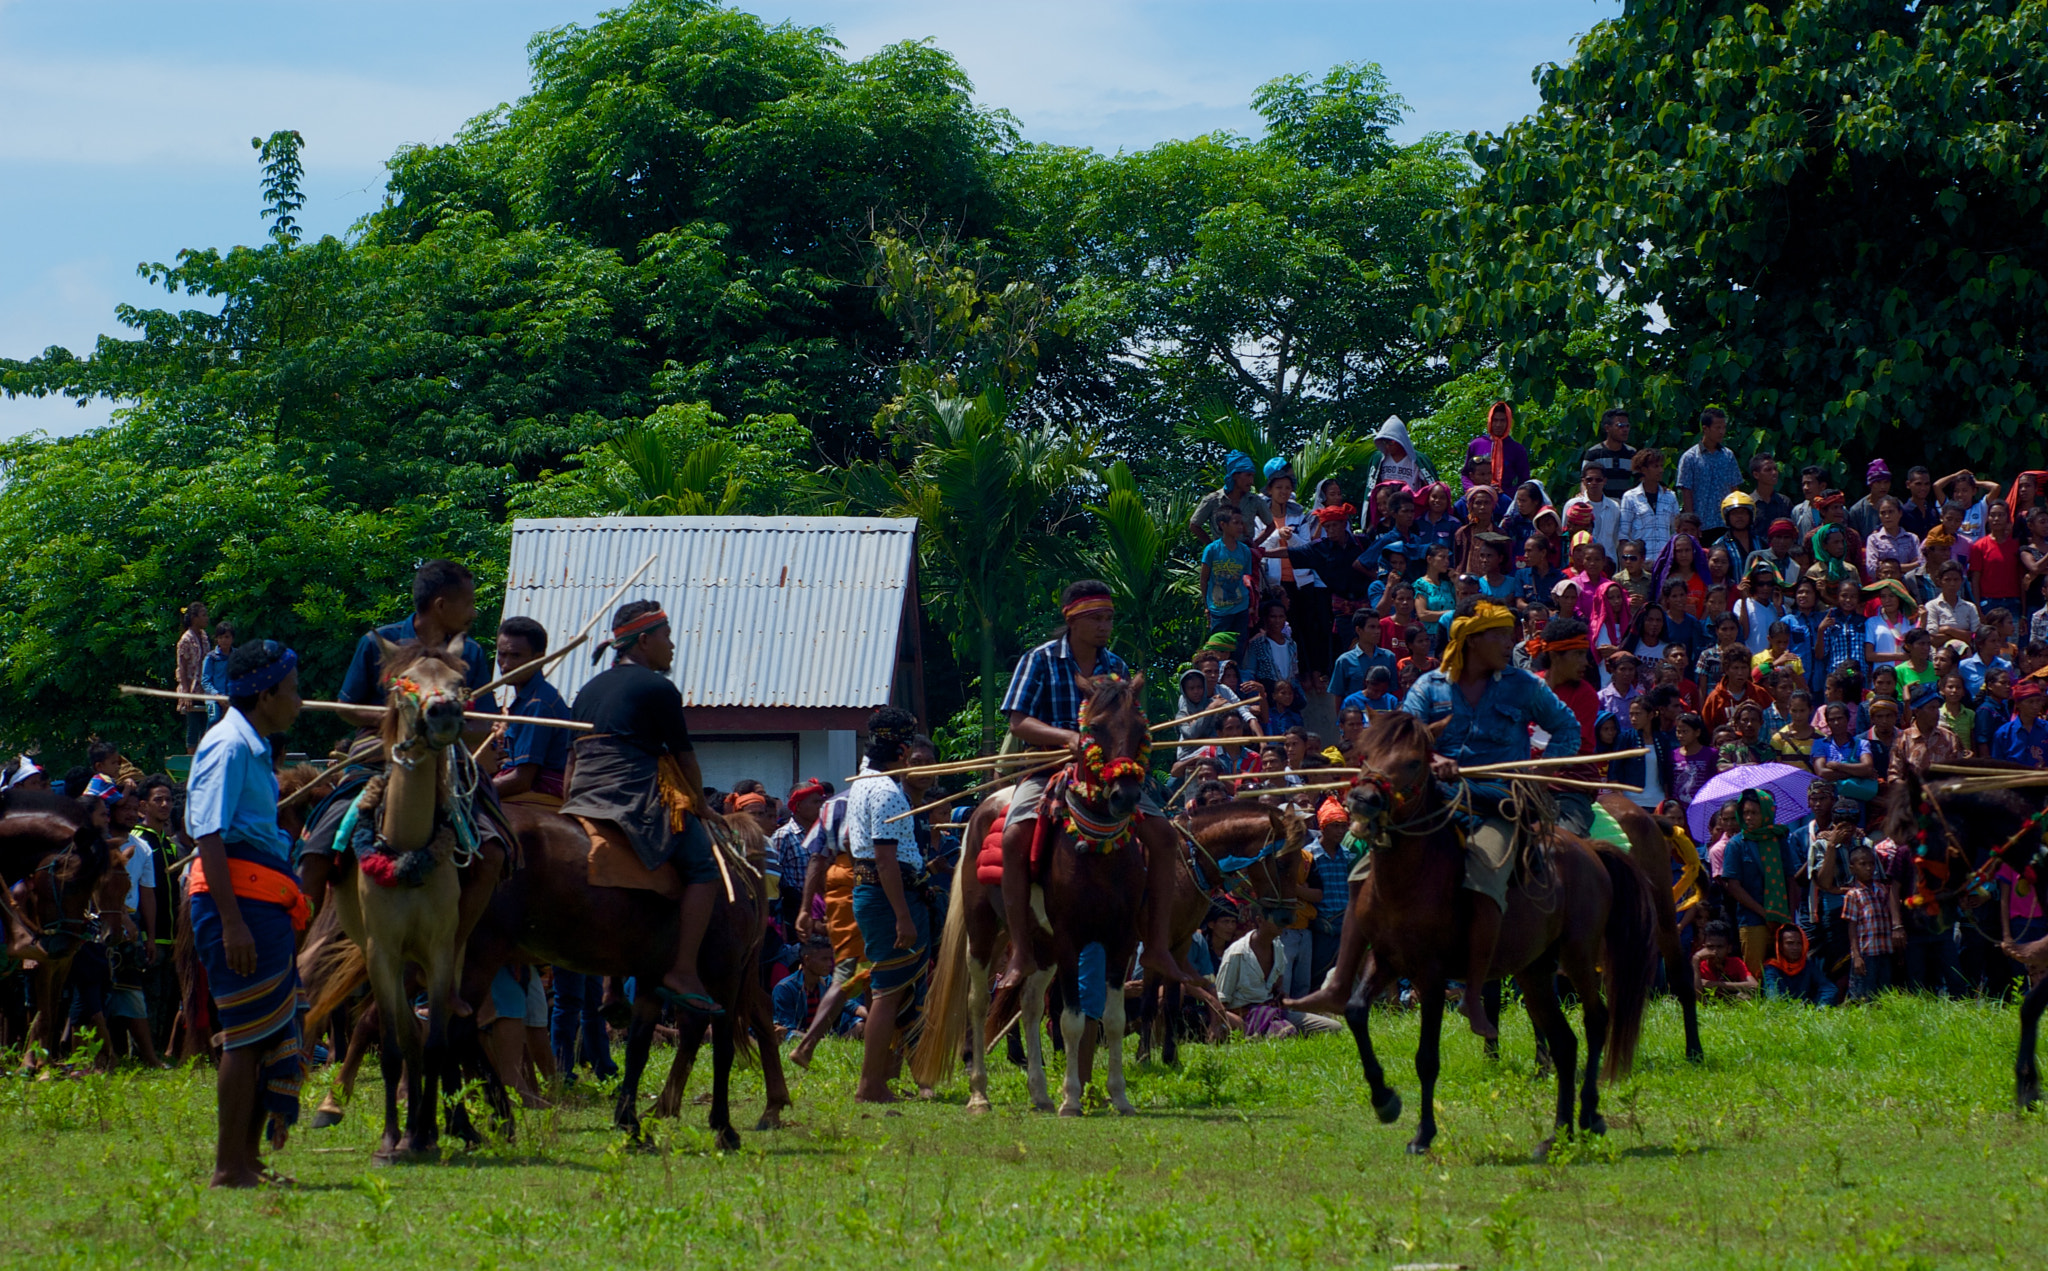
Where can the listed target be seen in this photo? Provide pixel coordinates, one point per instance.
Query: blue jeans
(1875, 978)
(575, 1014)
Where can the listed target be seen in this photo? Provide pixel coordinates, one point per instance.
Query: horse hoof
(323, 1118)
(728, 1140)
(1389, 1110)
(1597, 1125)
(1695, 1055)
(1042, 1105)
(1542, 1152)
(766, 1123)
(1070, 1109)
(1418, 1147)
(979, 1104)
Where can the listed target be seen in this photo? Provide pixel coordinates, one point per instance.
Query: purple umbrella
(1785, 784)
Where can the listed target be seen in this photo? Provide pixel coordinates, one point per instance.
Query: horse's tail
(945, 1003)
(331, 966)
(1631, 957)
(747, 1004)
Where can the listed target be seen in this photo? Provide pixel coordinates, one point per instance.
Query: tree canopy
(1822, 215)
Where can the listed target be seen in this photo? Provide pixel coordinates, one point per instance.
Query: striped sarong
(262, 1010)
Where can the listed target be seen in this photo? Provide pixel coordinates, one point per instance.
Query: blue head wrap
(1235, 462)
(264, 677)
(1274, 467)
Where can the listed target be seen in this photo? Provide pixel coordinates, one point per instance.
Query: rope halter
(1088, 782)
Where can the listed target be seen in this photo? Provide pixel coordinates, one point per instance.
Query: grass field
(1881, 1137)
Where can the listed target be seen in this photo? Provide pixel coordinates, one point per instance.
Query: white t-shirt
(870, 801)
(1296, 518)
(1759, 619)
(141, 869)
(1886, 637)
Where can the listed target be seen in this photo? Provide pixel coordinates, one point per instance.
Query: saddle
(614, 863)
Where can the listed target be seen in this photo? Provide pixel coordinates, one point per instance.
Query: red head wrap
(1087, 604)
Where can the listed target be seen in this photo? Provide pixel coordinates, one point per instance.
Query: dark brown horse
(1592, 905)
(1966, 828)
(61, 878)
(1649, 846)
(1084, 891)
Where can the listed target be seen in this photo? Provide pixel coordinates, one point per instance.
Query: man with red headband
(634, 762)
(1561, 654)
(1044, 708)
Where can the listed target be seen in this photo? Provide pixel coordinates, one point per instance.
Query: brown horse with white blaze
(1088, 888)
(1592, 905)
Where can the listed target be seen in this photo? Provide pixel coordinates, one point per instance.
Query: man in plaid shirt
(1840, 637)
(1044, 709)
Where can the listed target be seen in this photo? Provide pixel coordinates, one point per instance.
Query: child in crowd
(1718, 971)
(1874, 929)
(1793, 974)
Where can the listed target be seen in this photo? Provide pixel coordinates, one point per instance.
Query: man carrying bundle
(637, 770)
(245, 907)
(1044, 709)
(1478, 709)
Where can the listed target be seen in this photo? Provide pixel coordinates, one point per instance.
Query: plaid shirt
(1044, 687)
(827, 836)
(1836, 645)
(1333, 875)
(786, 855)
(1869, 919)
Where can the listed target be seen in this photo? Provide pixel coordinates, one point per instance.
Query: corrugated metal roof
(767, 611)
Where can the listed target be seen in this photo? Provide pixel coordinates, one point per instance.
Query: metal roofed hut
(789, 631)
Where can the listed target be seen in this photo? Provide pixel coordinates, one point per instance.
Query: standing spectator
(191, 651)
(1613, 453)
(1708, 471)
(1871, 911)
(1397, 460)
(1928, 741)
(1839, 640)
(895, 924)
(1863, 516)
(786, 854)
(1889, 539)
(1355, 664)
(2023, 739)
(1238, 472)
(213, 672)
(1771, 503)
(1922, 509)
(1962, 486)
(1988, 658)
(1813, 483)
(1308, 600)
(156, 803)
(1606, 526)
(1756, 873)
(1225, 563)
(1995, 570)
(1272, 656)
(1506, 460)
(1843, 755)
(1694, 762)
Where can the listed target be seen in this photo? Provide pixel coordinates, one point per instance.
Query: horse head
(1934, 819)
(425, 689)
(1393, 781)
(1116, 742)
(49, 841)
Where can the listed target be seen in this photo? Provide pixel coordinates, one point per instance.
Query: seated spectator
(1251, 982)
(1272, 655)
(1378, 695)
(1624, 682)
(1695, 761)
(2023, 739)
(1792, 974)
(1283, 710)
(1718, 971)
(1793, 741)
(798, 994)
(1843, 756)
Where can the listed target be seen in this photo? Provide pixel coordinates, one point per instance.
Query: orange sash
(251, 881)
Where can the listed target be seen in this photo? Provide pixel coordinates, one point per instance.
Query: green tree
(1275, 276)
(1143, 559)
(985, 493)
(1830, 207)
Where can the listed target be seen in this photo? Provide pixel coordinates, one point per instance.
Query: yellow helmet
(1738, 499)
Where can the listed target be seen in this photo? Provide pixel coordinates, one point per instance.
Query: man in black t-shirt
(616, 775)
(1613, 453)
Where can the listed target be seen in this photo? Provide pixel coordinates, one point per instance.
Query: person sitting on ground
(1792, 974)
(1718, 971)
(1250, 981)
(798, 994)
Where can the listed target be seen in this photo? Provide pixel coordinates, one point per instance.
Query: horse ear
(1138, 681)
(457, 647)
(386, 650)
(1086, 683)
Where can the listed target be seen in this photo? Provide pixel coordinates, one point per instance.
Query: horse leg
(1034, 1045)
(639, 1037)
(391, 1063)
(1150, 990)
(728, 1139)
(1074, 1025)
(977, 1035)
(776, 1086)
(1539, 997)
(1593, 1016)
(1492, 997)
(400, 1054)
(1113, 1050)
(1176, 1004)
(359, 1038)
(2027, 1070)
(1386, 1105)
(1427, 1062)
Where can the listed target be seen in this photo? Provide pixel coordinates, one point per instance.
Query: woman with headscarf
(1480, 503)
(1832, 564)
(1238, 474)
(2025, 494)
(1438, 522)
(1681, 560)
(1507, 460)
(1756, 873)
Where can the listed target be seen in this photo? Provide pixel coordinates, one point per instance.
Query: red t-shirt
(1584, 703)
(1999, 563)
(1733, 970)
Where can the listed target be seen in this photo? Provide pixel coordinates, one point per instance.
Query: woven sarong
(263, 1009)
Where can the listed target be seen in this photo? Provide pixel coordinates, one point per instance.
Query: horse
(1593, 905)
(1972, 833)
(1088, 889)
(1649, 846)
(61, 877)
(1241, 829)
(399, 904)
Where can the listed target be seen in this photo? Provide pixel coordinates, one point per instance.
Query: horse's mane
(1966, 812)
(1397, 729)
(295, 778)
(1112, 692)
(44, 801)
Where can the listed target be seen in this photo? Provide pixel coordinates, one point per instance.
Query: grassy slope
(1879, 1137)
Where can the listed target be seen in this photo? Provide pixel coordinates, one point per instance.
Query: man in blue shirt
(535, 757)
(2024, 737)
(1357, 662)
(245, 906)
(444, 606)
(1985, 659)
(1485, 707)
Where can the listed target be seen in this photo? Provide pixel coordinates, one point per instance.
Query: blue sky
(125, 127)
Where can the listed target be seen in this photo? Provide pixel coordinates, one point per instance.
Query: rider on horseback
(1044, 708)
(1479, 708)
(616, 774)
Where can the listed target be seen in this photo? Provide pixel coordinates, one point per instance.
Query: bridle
(405, 695)
(1089, 777)
(61, 933)
(1399, 813)
(411, 701)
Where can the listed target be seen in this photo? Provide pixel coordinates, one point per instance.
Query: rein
(1393, 821)
(1088, 779)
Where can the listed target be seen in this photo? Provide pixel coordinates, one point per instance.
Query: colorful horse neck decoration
(1091, 778)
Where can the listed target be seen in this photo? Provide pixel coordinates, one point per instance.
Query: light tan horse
(411, 917)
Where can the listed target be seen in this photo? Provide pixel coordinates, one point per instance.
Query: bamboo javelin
(985, 786)
(1217, 741)
(581, 636)
(955, 766)
(1217, 709)
(356, 755)
(1563, 761)
(131, 690)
